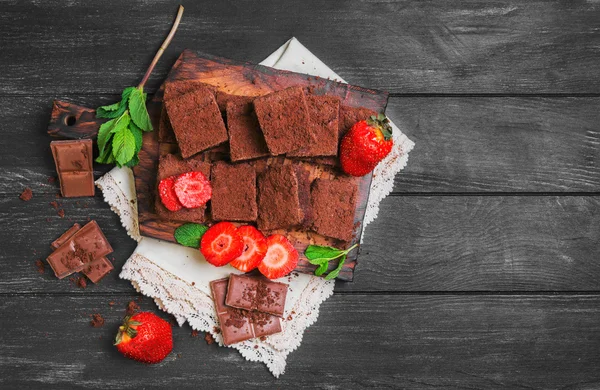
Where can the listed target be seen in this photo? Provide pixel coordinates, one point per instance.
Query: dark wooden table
(483, 268)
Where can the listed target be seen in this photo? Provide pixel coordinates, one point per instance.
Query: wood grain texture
(416, 342)
(508, 46)
(454, 243)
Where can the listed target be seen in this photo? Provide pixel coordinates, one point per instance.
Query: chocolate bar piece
(73, 160)
(239, 325)
(83, 247)
(95, 270)
(256, 293)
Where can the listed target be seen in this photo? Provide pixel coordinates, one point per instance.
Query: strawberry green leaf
(138, 111)
(190, 234)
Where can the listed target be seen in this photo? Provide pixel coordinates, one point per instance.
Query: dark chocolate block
(165, 130)
(172, 165)
(333, 205)
(83, 247)
(73, 160)
(278, 202)
(350, 115)
(239, 325)
(283, 118)
(256, 293)
(196, 121)
(233, 192)
(323, 113)
(246, 140)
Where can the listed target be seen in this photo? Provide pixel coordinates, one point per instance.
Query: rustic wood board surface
(481, 271)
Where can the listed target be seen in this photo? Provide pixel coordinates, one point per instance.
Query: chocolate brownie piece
(278, 201)
(333, 203)
(234, 192)
(165, 131)
(246, 141)
(323, 113)
(223, 98)
(283, 118)
(196, 121)
(177, 88)
(171, 165)
(350, 115)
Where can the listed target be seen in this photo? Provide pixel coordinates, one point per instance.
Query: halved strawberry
(281, 257)
(221, 243)
(167, 194)
(193, 189)
(255, 249)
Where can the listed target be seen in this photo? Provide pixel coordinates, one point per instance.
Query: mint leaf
(322, 268)
(334, 274)
(138, 135)
(123, 145)
(106, 156)
(318, 254)
(103, 136)
(133, 162)
(138, 111)
(117, 109)
(189, 234)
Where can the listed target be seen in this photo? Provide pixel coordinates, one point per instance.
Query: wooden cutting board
(238, 78)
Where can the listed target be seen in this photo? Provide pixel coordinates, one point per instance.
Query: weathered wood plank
(453, 243)
(416, 342)
(463, 144)
(508, 46)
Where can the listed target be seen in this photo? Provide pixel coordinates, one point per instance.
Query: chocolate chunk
(196, 121)
(333, 205)
(246, 140)
(172, 165)
(73, 160)
(233, 192)
(256, 293)
(350, 115)
(283, 118)
(323, 113)
(278, 202)
(65, 236)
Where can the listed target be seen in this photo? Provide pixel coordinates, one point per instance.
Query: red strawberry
(145, 337)
(193, 189)
(281, 257)
(255, 249)
(365, 145)
(167, 194)
(221, 244)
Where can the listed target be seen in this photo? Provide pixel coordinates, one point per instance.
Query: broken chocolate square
(256, 293)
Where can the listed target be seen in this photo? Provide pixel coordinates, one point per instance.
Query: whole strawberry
(365, 145)
(145, 337)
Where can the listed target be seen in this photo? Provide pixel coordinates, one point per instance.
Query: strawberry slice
(255, 249)
(193, 189)
(221, 244)
(281, 257)
(167, 194)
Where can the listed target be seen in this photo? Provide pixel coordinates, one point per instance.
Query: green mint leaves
(322, 255)
(190, 234)
(120, 138)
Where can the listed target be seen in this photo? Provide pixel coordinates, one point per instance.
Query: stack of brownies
(260, 155)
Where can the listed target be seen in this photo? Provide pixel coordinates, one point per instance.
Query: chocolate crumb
(39, 264)
(51, 179)
(132, 307)
(194, 333)
(255, 346)
(193, 283)
(26, 195)
(289, 318)
(209, 338)
(97, 320)
(178, 356)
(263, 338)
(217, 330)
(48, 220)
(111, 303)
(61, 213)
(81, 282)
(54, 204)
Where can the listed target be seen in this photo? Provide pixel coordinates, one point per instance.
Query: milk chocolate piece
(65, 236)
(239, 325)
(83, 247)
(256, 293)
(73, 161)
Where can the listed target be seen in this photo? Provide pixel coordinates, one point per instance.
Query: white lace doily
(177, 277)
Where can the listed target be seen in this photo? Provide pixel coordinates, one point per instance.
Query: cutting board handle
(70, 121)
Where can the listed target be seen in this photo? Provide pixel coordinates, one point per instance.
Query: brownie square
(278, 201)
(323, 113)
(350, 115)
(246, 141)
(177, 88)
(283, 118)
(196, 121)
(171, 165)
(165, 130)
(233, 192)
(333, 203)
(223, 98)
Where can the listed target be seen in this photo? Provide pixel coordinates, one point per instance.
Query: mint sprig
(120, 138)
(322, 255)
(190, 234)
